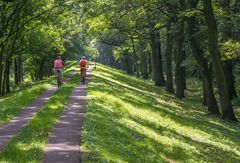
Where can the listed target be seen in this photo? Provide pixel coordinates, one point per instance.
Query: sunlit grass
(12, 105)
(129, 120)
(15, 102)
(29, 144)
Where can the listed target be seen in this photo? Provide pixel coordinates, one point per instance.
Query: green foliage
(191, 13)
(33, 33)
(230, 50)
(120, 52)
(43, 39)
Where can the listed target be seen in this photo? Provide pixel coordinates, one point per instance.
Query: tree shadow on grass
(125, 143)
(116, 141)
(192, 120)
(185, 109)
(147, 90)
(205, 150)
(10, 157)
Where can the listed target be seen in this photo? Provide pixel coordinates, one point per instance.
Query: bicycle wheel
(83, 77)
(59, 83)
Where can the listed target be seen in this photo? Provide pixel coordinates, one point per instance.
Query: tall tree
(169, 51)
(179, 58)
(226, 34)
(202, 62)
(225, 100)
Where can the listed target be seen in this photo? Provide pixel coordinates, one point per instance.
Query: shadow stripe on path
(10, 129)
(64, 142)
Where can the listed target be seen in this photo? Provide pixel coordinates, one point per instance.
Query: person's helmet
(83, 57)
(59, 57)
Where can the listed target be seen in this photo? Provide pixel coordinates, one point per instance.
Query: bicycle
(83, 75)
(59, 79)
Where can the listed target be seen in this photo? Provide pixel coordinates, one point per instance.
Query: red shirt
(83, 63)
(58, 63)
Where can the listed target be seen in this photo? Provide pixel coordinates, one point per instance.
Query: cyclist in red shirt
(58, 65)
(83, 66)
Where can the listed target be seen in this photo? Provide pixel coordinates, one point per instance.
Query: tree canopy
(168, 41)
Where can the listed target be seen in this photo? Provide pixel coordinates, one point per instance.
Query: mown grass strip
(130, 120)
(28, 145)
(14, 103)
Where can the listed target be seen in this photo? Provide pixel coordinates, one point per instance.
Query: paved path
(9, 130)
(64, 142)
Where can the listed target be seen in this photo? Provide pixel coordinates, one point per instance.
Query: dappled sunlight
(121, 84)
(12, 105)
(167, 143)
(226, 126)
(55, 106)
(169, 103)
(149, 133)
(200, 136)
(109, 156)
(29, 144)
(124, 120)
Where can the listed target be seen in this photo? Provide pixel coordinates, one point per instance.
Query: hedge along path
(10, 129)
(28, 144)
(64, 142)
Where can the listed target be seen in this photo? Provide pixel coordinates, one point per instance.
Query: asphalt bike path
(11, 129)
(64, 141)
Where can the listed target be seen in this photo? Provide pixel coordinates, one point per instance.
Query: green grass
(11, 105)
(129, 120)
(28, 145)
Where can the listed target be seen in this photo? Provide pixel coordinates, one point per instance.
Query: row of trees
(166, 40)
(32, 34)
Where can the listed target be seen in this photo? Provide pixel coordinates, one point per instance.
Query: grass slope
(29, 144)
(15, 102)
(129, 120)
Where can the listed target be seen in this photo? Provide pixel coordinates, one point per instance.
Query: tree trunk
(136, 65)
(161, 81)
(169, 75)
(128, 63)
(228, 67)
(205, 95)
(20, 69)
(179, 77)
(143, 60)
(226, 33)
(184, 72)
(7, 75)
(225, 100)
(150, 63)
(155, 59)
(16, 71)
(208, 94)
(1, 69)
(3, 84)
(41, 67)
